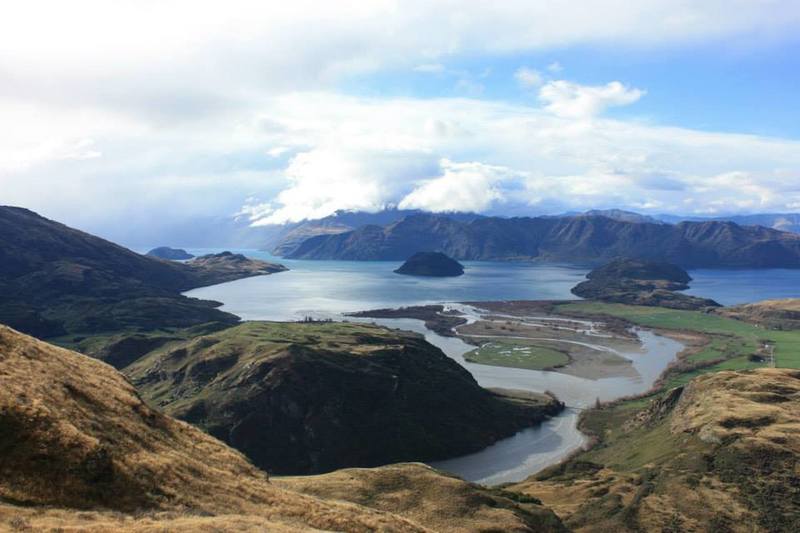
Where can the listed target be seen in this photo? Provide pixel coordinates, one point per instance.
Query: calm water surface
(329, 288)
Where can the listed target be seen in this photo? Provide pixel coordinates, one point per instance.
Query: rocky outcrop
(637, 282)
(172, 254)
(431, 264)
(312, 397)
(589, 239)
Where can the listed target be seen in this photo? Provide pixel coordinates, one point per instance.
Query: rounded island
(432, 264)
(173, 254)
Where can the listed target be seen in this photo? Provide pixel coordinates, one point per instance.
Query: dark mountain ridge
(585, 239)
(293, 235)
(56, 280)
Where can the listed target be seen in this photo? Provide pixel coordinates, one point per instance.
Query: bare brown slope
(720, 454)
(776, 314)
(79, 449)
(76, 434)
(444, 503)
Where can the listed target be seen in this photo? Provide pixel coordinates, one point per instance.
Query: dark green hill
(643, 271)
(431, 264)
(638, 282)
(56, 280)
(313, 397)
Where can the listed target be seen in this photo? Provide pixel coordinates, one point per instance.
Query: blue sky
(149, 113)
(715, 86)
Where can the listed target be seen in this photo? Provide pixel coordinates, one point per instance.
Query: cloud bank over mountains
(460, 154)
(122, 110)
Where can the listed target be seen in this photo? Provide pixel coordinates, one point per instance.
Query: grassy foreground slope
(714, 448)
(720, 454)
(79, 449)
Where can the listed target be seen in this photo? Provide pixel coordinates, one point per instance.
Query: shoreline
(491, 376)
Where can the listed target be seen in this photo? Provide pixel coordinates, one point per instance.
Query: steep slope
(56, 280)
(79, 449)
(293, 235)
(75, 434)
(720, 455)
(312, 397)
(590, 239)
(396, 241)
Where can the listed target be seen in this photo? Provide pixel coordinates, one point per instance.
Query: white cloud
(528, 77)
(470, 187)
(555, 67)
(466, 154)
(325, 180)
(191, 106)
(571, 100)
(277, 151)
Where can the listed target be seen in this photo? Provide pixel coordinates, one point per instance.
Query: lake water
(312, 287)
(324, 289)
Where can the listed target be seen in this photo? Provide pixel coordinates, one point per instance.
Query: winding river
(327, 289)
(533, 449)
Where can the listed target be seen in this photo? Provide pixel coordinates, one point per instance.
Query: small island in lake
(640, 282)
(433, 264)
(173, 254)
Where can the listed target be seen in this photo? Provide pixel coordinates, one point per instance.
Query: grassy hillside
(57, 281)
(720, 454)
(732, 344)
(312, 397)
(79, 449)
(714, 448)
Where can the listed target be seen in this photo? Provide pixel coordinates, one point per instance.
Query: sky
(146, 114)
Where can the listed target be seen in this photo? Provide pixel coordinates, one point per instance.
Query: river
(327, 289)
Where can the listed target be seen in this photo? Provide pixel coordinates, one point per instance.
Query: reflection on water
(731, 287)
(314, 288)
(526, 453)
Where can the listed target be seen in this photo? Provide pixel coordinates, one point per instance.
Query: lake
(317, 288)
(326, 289)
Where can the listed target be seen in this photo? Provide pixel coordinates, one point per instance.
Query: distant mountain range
(285, 241)
(780, 221)
(582, 238)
